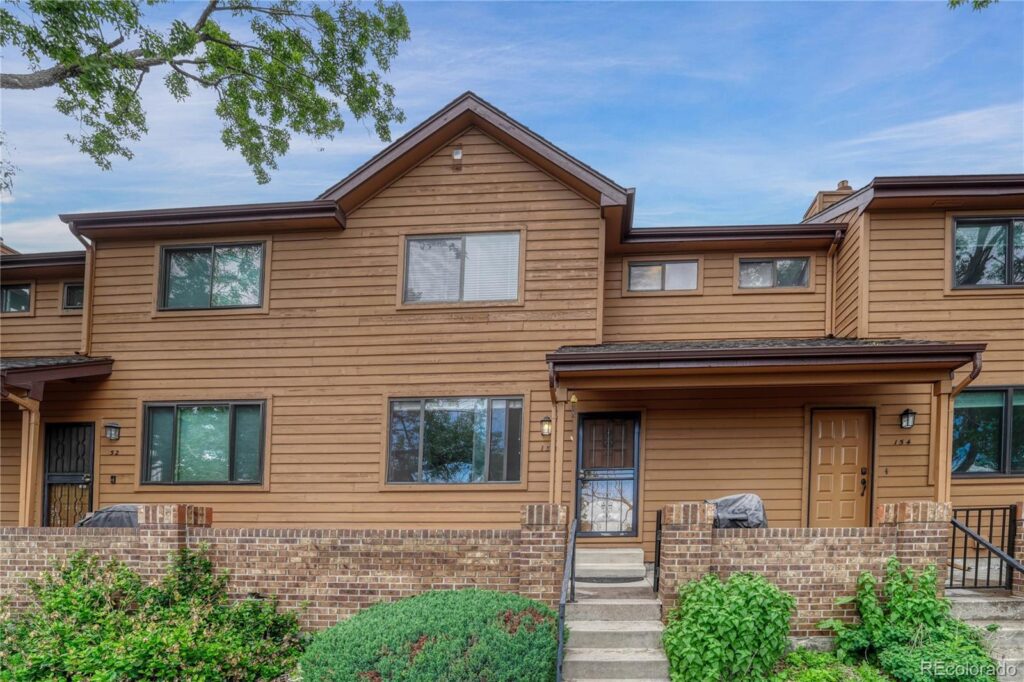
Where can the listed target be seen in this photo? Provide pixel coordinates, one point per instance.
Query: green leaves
(444, 636)
(736, 630)
(96, 621)
(277, 67)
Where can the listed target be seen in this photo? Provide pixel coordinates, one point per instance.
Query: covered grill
(745, 510)
(114, 516)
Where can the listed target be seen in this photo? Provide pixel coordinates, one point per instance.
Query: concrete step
(596, 634)
(987, 609)
(605, 664)
(1008, 640)
(614, 609)
(613, 555)
(1010, 669)
(618, 570)
(635, 589)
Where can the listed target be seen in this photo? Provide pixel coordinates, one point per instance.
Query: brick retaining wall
(815, 565)
(334, 571)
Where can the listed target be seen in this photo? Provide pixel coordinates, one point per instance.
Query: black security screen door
(606, 483)
(67, 485)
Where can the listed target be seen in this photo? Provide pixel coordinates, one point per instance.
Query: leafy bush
(736, 630)
(101, 621)
(910, 633)
(813, 666)
(448, 636)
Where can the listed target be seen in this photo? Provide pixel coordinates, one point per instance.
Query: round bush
(447, 635)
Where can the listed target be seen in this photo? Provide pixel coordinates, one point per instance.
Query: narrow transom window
(663, 276)
(988, 253)
(774, 273)
(74, 296)
(455, 440)
(458, 268)
(988, 432)
(204, 442)
(212, 276)
(16, 298)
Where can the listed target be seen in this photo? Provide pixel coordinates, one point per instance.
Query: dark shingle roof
(744, 344)
(47, 361)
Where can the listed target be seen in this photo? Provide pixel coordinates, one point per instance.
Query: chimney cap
(843, 186)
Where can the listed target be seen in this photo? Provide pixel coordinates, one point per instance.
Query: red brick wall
(815, 565)
(334, 572)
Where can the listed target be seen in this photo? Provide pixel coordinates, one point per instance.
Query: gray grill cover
(114, 516)
(745, 510)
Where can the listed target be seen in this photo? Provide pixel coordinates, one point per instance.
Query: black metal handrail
(568, 592)
(657, 550)
(1003, 556)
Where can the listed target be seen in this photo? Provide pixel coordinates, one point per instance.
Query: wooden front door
(67, 480)
(841, 463)
(606, 481)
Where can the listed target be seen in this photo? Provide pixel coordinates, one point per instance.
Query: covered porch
(47, 463)
(823, 430)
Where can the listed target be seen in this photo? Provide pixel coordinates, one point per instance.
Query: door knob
(863, 486)
(87, 479)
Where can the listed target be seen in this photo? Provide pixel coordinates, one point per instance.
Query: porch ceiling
(760, 362)
(31, 374)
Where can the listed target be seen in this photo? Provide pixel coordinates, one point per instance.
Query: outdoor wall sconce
(457, 157)
(545, 426)
(907, 418)
(112, 431)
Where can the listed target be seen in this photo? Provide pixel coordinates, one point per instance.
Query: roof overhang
(465, 111)
(199, 220)
(809, 236)
(48, 264)
(32, 378)
(931, 192)
(797, 363)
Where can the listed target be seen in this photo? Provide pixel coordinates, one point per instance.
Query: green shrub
(448, 636)
(100, 621)
(736, 630)
(813, 666)
(910, 634)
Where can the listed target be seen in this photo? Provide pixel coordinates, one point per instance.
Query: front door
(606, 482)
(67, 479)
(840, 468)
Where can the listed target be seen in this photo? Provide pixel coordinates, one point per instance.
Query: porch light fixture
(907, 418)
(545, 426)
(112, 431)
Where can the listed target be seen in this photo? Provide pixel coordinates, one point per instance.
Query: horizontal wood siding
(704, 444)
(848, 280)
(10, 456)
(717, 313)
(908, 300)
(47, 331)
(333, 345)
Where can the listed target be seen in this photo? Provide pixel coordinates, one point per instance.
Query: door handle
(863, 486)
(87, 479)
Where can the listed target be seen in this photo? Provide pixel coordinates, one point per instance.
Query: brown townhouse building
(470, 322)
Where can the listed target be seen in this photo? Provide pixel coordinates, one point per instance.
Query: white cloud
(43, 234)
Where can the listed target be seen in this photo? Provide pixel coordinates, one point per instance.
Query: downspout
(975, 371)
(830, 283)
(90, 264)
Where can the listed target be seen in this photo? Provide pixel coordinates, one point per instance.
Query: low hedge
(451, 636)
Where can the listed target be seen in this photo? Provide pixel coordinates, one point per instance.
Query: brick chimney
(827, 197)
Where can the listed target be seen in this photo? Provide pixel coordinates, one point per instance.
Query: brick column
(1018, 577)
(686, 547)
(922, 533)
(542, 544)
(163, 530)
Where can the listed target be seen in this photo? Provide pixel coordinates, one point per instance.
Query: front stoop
(614, 627)
(984, 607)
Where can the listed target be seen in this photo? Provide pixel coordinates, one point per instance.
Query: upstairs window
(774, 273)
(203, 442)
(455, 440)
(462, 268)
(988, 253)
(663, 275)
(73, 297)
(16, 298)
(988, 432)
(212, 276)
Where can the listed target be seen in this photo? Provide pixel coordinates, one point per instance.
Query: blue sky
(717, 113)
